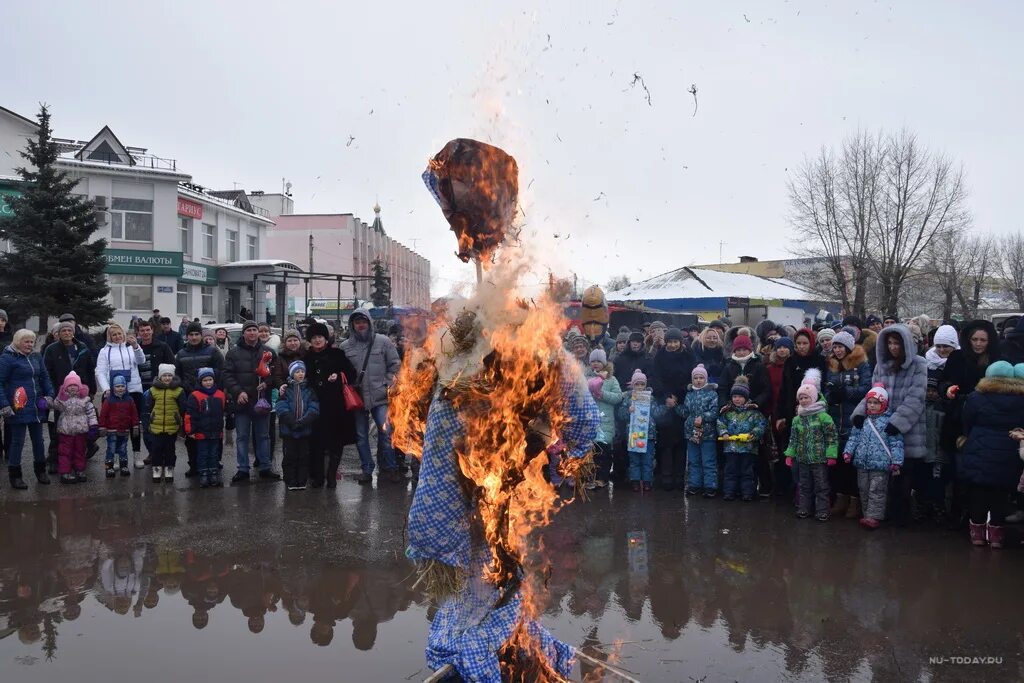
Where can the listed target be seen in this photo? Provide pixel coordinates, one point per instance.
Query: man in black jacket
(59, 359)
(193, 356)
(244, 385)
(169, 336)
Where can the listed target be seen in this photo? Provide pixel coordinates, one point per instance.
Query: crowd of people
(871, 420)
(317, 392)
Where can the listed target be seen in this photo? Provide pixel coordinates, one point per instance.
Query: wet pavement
(136, 580)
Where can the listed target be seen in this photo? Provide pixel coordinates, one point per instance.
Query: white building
(172, 245)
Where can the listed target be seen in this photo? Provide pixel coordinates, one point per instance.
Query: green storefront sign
(5, 209)
(135, 262)
(199, 273)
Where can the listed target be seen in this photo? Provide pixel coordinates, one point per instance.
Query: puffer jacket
(671, 373)
(190, 359)
(76, 414)
(204, 413)
(240, 370)
(164, 405)
(813, 438)
(119, 358)
(118, 413)
(18, 370)
(295, 417)
(907, 387)
(990, 456)
(736, 421)
(611, 396)
(846, 383)
(868, 451)
(381, 367)
(703, 403)
(658, 412)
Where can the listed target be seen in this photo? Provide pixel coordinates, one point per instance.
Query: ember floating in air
(477, 186)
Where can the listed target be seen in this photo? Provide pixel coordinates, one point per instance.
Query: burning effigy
(485, 400)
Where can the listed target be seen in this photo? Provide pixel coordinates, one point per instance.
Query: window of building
(232, 239)
(253, 247)
(131, 220)
(207, 301)
(185, 231)
(131, 292)
(209, 241)
(184, 298)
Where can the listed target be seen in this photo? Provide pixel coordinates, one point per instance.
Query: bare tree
(833, 200)
(1011, 266)
(871, 212)
(617, 282)
(923, 195)
(982, 262)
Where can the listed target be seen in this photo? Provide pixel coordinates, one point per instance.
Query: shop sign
(189, 208)
(197, 272)
(5, 209)
(137, 262)
(164, 289)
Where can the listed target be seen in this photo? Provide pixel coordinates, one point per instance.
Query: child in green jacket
(814, 446)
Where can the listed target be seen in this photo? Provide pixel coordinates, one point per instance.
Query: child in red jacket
(118, 417)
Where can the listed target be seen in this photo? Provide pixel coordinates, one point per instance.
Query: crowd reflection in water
(795, 598)
(55, 558)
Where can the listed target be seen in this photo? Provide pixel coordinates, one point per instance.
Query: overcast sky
(348, 101)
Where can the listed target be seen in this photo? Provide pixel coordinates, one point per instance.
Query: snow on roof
(699, 283)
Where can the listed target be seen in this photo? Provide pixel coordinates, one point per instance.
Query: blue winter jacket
(19, 370)
(701, 402)
(867, 449)
(658, 411)
(990, 456)
(291, 425)
(743, 420)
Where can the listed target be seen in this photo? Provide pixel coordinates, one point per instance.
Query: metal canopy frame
(285, 278)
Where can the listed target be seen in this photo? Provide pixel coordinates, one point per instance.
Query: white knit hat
(946, 336)
(165, 369)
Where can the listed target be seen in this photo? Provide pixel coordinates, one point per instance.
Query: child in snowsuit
(608, 394)
(876, 455)
(204, 423)
(296, 409)
(118, 417)
(741, 427)
(641, 463)
(76, 428)
(164, 403)
(700, 415)
(814, 445)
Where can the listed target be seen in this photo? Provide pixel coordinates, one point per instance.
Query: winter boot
(68, 478)
(41, 476)
(204, 480)
(841, 505)
(977, 534)
(80, 477)
(14, 472)
(853, 511)
(111, 472)
(995, 536)
(869, 524)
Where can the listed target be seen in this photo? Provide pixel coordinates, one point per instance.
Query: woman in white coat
(122, 355)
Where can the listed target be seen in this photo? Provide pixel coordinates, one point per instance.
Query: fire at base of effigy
(487, 398)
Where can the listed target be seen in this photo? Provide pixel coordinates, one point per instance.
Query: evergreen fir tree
(381, 295)
(53, 267)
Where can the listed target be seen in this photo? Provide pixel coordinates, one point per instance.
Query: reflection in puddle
(630, 584)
